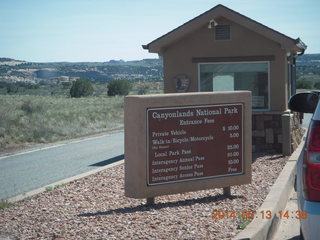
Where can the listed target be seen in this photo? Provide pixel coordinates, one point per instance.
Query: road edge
(60, 182)
(27, 148)
(276, 200)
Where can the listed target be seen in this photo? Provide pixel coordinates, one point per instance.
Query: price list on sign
(194, 142)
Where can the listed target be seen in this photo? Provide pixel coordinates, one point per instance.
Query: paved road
(27, 171)
(306, 119)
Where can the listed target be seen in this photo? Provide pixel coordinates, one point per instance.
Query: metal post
(150, 201)
(227, 191)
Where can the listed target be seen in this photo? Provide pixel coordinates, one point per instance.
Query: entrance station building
(223, 50)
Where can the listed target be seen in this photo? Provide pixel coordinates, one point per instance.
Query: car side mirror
(305, 102)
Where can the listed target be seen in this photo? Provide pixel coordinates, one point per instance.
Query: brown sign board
(194, 142)
(185, 142)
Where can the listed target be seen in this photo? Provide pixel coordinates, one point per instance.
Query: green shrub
(5, 204)
(119, 87)
(30, 107)
(317, 85)
(49, 189)
(143, 89)
(304, 84)
(12, 88)
(81, 88)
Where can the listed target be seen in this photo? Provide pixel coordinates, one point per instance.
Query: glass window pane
(223, 82)
(237, 76)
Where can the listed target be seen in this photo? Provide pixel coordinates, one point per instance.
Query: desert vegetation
(31, 119)
(120, 87)
(47, 102)
(41, 119)
(308, 72)
(82, 87)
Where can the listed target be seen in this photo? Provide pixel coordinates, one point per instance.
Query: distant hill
(143, 62)
(308, 68)
(12, 70)
(6, 59)
(10, 62)
(308, 59)
(140, 70)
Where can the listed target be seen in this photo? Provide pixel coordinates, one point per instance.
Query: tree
(120, 87)
(81, 88)
(12, 88)
(317, 85)
(304, 84)
(143, 89)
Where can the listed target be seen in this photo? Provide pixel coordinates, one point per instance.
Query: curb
(63, 181)
(276, 200)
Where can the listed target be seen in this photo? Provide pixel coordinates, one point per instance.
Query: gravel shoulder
(95, 208)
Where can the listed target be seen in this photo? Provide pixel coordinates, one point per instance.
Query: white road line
(31, 151)
(55, 146)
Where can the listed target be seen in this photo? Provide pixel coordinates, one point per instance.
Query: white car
(308, 167)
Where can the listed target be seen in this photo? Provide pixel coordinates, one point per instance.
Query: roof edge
(148, 45)
(275, 35)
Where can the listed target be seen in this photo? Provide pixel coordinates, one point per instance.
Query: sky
(102, 30)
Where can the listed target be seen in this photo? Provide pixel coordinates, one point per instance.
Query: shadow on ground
(268, 156)
(108, 161)
(143, 208)
(295, 238)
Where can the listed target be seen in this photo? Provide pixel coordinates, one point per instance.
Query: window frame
(245, 62)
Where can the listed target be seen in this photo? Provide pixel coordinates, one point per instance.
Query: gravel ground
(95, 208)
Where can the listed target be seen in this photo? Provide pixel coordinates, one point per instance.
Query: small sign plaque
(194, 142)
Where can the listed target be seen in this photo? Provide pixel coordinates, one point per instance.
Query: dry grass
(39, 119)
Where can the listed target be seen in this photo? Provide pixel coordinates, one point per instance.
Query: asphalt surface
(306, 119)
(26, 171)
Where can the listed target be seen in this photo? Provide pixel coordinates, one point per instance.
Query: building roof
(287, 43)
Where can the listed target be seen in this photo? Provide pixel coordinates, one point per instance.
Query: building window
(222, 32)
(237, 76)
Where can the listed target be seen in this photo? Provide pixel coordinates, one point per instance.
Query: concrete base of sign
(178, 114)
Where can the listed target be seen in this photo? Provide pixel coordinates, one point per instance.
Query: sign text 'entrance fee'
(194, 142)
